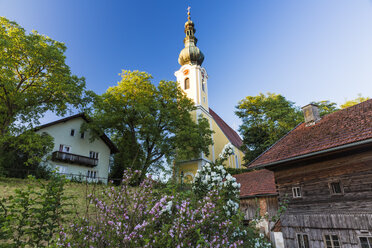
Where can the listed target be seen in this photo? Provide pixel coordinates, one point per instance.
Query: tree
(265, 120)
(357, 100)
(34, 78)
(148, 123)
(326, 107)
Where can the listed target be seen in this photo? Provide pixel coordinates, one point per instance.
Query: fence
(40, 173)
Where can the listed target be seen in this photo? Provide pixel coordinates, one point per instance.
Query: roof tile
(342, 127)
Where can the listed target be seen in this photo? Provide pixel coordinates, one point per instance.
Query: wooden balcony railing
(74, 159)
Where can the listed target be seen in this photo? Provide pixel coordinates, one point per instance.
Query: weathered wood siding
(318, 212)
(258, 206)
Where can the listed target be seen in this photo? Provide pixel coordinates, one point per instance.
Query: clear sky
(308, 50)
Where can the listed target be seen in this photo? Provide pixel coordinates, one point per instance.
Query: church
(193, 79)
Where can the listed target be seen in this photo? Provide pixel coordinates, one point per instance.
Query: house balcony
(74, 159)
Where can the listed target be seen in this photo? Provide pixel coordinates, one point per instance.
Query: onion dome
(191, 54)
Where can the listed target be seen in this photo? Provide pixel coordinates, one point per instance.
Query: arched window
(187, 83)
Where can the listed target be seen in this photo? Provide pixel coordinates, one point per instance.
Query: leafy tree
(148, 123)
(28, 148)
(357, 100)
(326, 107)
(266, 118)
(34, 78)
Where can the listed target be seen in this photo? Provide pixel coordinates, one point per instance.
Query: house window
(365, 242)
(82, 135)
(331, 241)
(72, 133)
(92, 174)
(93, 155)
(303, 241)
(296, 191)
(336, 188)
(187, 83)
(64, 148)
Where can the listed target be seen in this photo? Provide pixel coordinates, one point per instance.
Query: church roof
(342, 128)
(256, 183)
(231, 135)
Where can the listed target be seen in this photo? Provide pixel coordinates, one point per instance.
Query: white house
(74, 154)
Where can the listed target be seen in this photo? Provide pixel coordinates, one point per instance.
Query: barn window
(187, 83)
(302, 241)
(336, 188)
(365, 242)
(296, 191)
(332, 241)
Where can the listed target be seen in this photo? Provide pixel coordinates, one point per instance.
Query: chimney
(311, 114)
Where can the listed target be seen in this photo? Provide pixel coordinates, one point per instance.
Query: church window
(187, 83)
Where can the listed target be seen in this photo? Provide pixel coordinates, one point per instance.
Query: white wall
(61, 134)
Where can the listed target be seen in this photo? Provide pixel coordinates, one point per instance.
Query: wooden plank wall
(318, 211)
(258, 206)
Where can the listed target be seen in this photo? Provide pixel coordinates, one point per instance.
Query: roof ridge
(237, 143)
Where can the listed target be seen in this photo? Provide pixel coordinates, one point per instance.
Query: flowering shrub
(207, 216)
(135, 217)
(215, 177)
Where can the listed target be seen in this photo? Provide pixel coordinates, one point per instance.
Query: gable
(80, 118)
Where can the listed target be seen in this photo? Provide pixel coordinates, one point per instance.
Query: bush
(127, 216)
(32, 217)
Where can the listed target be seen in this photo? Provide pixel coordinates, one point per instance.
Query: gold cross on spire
(188, 13)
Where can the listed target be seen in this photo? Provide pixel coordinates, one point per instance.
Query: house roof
(256, 183)
(104, 137)
(343, 127)
(231, 135)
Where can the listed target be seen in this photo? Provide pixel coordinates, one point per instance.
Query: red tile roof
(343, 127)
(231, 135)
(253, 183)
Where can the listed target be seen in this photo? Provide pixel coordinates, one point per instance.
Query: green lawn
(75, 192)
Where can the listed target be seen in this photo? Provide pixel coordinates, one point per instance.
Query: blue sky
(308, 50)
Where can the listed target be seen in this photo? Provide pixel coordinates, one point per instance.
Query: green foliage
(34, 77)
(266, 118)
(25, 154)
(148, 123)
(31, 218)
(326, 107)
(357, 100)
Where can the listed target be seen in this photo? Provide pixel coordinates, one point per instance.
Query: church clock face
(186, 72)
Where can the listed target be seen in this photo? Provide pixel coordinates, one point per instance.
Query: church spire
(191, 53)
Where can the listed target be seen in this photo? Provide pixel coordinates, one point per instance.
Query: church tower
(193, 78)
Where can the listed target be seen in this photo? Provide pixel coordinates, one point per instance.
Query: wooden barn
(323, 167)
(259, 201)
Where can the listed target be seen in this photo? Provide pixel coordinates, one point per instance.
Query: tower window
(187, 83)
(203, 87)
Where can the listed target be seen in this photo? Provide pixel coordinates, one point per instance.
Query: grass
(75, 192)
